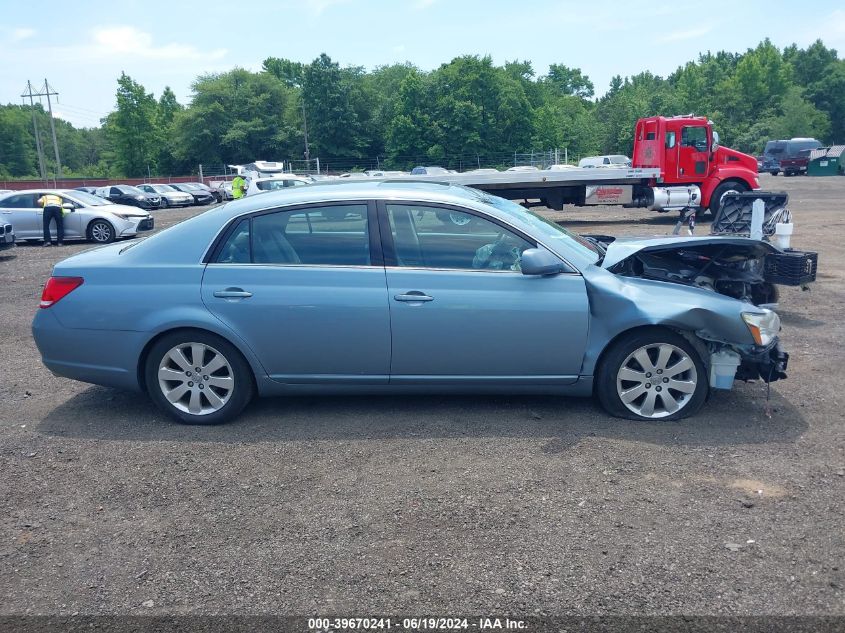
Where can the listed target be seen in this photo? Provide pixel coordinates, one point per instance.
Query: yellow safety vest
(238, 184)
(49, 200)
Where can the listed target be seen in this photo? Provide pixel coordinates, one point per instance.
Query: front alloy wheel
(656, 380)
(651, 374)
(101, 232)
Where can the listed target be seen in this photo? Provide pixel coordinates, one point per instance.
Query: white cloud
(691, 34)
(20, 34)
(424, 4)
(317, 7)
(399, 48)
(132, 42)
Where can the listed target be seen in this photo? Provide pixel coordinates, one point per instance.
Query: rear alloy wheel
(101, 232)
(652, 375)
(198, 378)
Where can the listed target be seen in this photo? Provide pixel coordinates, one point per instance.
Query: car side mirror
(539, 261)
(68, 205)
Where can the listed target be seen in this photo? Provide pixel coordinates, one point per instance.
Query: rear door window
(326, 235)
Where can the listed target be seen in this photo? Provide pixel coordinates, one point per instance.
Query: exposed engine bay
(729, 266)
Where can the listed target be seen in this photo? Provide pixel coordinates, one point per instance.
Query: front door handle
(414, 296)
(232, 293)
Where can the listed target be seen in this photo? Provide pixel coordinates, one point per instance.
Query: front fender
(619, 304)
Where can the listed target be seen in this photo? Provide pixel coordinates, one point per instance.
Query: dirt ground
(413, 505)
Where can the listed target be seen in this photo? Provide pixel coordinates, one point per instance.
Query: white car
(260, 185)
(379, 173)
(610, 160)
(170, 196)
(90, 217)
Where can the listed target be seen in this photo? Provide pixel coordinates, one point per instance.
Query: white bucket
(783, 234)
(723, 367)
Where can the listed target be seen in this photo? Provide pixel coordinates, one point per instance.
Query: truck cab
(686, 150)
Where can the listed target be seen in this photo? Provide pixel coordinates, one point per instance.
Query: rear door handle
(414, 296)
(232, 293)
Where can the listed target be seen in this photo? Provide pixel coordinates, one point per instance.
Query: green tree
(569, 81)
(334, 126)
(131, 128)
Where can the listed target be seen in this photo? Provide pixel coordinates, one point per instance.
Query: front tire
(719, 192)
(652, 375)
(101, 232)
(198, 378)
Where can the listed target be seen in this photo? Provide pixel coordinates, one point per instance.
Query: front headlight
(140, 197)
(764, 326)
(130, 216)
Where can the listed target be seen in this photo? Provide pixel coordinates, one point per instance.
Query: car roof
(188, 240)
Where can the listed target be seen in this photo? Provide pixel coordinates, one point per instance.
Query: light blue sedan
(361, 287)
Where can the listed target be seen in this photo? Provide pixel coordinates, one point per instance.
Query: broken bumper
(768, 364)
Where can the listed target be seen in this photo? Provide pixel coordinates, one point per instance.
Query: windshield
(89, 200)
(619, 160)
(774, 147)
(162, 188)
(553, 233)
(130, 190)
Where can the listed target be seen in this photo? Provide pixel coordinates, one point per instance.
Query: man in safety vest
(238, 187)
(52, 210)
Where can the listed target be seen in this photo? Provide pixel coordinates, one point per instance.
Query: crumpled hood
(623, 247)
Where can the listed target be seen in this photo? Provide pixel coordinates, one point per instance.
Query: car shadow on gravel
(742, 416)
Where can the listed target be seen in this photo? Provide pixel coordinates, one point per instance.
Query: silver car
(170, 196)
(90, 218)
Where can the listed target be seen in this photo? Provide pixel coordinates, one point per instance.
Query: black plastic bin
(791, 268)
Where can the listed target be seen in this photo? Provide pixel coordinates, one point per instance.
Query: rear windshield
(793, 148)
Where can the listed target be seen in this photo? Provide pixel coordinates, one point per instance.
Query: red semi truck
(677, 164)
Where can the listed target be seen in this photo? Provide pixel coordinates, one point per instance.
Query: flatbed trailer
(554, 188)
(677, 165)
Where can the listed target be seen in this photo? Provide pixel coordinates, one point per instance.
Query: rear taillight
(58, 287)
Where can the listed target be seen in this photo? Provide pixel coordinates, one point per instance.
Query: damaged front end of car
(711, 290)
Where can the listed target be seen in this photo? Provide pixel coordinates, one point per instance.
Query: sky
(82, 47)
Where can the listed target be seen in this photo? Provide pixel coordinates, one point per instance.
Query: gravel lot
(413, 505)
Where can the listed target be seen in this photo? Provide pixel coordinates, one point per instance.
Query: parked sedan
(245, 299)
(129, 195)
(90, 217)
(200, 195)
(7, 235)
(170, 197)
(218, 195)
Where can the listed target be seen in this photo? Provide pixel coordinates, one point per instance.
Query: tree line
(468, 112)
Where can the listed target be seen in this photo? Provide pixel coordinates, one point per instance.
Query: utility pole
(47, 93)
(305, 129)
(42, 170)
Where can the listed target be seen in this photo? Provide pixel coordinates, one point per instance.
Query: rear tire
(652, 375)
(214, 395)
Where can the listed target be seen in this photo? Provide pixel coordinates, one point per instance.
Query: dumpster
(826, 161)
